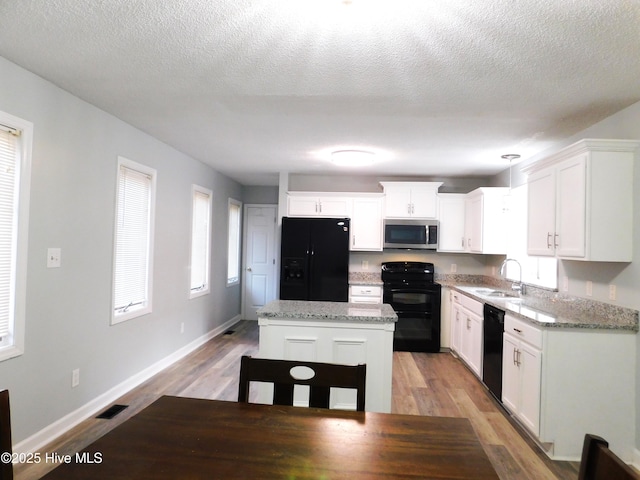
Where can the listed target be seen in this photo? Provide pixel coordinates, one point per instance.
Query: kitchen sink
(495, 293)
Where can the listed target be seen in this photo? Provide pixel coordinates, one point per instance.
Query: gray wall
(260, 195)
(75, 151)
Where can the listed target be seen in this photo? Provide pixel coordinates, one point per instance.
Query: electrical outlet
(365, 265)
(612, 292)
(565, 284)
(493, 271)
(75, 378)
(182, 327)
(454, 268)
(589, 288)
(54, 256)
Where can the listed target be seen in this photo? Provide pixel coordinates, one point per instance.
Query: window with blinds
(233, 253)
(133, 241)
(200, 241)
(8, 217)
(15, 172)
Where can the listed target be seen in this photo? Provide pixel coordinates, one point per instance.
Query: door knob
(249, 269)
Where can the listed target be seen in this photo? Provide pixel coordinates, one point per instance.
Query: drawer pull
(517, 330)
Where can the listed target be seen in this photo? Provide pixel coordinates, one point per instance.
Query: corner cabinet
(411, 199)
(485, 221)
(451, 233)
(580, 202)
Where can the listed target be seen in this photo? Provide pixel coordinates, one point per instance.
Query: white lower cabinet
(521, 372)
(561, 383)
(466, 330)
(365, 294)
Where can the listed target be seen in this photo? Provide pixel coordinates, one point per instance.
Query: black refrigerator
(315, 259)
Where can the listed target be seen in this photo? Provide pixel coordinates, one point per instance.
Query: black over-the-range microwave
(411, 233)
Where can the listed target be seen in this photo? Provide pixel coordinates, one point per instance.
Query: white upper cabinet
(366, 223)
(411, 199)
(313, 204)
(451, 234)
(485, 221)
(580, 202)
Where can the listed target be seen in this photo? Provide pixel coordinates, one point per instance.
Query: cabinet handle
(549, 240)
(518, 356)
(353, 241)
(514, 357)
(555, 240)
(320, 207)
(468, 323)
(517, 330)
(462, 242)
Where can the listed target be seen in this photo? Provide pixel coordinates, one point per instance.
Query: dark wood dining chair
(600, 463)
(6, 468)
(325, 376)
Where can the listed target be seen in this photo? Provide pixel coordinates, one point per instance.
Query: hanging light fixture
(507, 198)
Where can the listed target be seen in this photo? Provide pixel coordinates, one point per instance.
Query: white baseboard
(57, 428)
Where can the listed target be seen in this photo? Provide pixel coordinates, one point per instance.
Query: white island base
(332, 332)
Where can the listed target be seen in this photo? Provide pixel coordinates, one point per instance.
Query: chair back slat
(598, 462)
(326, 376)
(6, 468)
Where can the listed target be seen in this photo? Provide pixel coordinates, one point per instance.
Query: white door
(260, 258)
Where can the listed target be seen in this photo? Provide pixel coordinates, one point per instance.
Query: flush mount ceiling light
(352, 158)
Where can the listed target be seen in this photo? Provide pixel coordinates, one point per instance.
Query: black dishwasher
(492, 355)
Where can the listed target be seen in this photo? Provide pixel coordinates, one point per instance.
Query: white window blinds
(200, 241)
(8, 219)
(233, 254)
(133, 241)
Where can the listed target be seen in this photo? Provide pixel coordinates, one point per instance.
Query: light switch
(54, 256)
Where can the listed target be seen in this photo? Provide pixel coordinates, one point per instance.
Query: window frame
(147, 307)
(236, 242)
(206, 289)
(13, 345)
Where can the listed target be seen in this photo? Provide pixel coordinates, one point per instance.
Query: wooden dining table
(187, 438)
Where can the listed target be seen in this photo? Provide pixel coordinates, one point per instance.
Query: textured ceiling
(440, 87)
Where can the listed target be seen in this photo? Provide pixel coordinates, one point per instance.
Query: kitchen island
(334, 332)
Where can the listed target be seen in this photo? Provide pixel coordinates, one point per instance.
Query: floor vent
(229, 332)
(112, 411)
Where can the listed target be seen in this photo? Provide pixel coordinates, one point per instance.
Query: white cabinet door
(334, 206)
(397, 202)
(530, 365)
(425, 202)
(302, 206)
(456, 325)
(451, 235)
(314, 205)
(411, 199)
(473, 223)
(521, 381)
(571, 207)
(474, 354)
(510, 374)
(541, 215)
(366, 224)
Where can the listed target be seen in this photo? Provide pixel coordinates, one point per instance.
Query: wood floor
(423, 384)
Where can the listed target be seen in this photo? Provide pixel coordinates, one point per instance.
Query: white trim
(26, 146)
(48, 434)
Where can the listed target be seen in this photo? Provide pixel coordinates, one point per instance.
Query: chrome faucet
(519, 287)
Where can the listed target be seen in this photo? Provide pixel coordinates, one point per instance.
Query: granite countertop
(365, 278)
(553, 309)
(339, 311)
